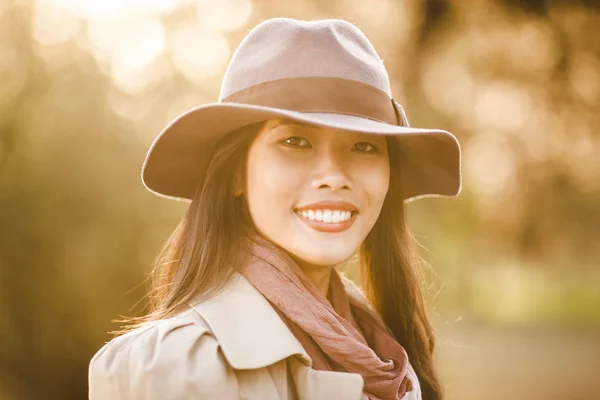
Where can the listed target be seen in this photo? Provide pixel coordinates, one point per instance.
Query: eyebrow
(284, 122)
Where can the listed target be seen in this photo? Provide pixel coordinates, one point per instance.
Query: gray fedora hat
(323, 73)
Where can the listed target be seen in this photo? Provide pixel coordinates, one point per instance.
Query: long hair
(200, 256)
(391, 276)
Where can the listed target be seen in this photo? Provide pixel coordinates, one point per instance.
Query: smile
(327, 216)
(327, 220)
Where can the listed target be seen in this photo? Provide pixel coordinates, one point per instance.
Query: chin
(324, 257)
(325, 250)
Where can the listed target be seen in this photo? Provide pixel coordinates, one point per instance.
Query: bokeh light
(199, 53)
(88, 84)
(225, 15)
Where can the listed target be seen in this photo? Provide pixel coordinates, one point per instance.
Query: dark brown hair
(200, 256)
(391, 274)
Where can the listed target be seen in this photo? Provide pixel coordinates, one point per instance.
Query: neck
(318, 274)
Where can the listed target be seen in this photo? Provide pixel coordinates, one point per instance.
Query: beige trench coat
(233, 346)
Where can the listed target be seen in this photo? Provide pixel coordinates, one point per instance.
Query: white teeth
(336, 217)
(327, 216)
(319, 215)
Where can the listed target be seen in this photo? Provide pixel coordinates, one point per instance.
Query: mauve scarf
(339, 334)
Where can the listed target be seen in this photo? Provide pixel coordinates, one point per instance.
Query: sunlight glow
(128, 36)
(224, 15)
(490, 164)
(503, 106)
(115, 9)
(128, 49)
(140, 45)
(449, 86)
(53, 25)
(199, 53)
(537, 51)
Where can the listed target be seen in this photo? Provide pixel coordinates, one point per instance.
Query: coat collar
(249, 330)
(252, 335)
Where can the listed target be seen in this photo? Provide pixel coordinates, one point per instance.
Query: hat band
(323, 95)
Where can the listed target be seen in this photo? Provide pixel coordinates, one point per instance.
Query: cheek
(272, 185)
(375, 181)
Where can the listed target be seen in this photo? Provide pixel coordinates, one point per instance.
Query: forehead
(291, 126)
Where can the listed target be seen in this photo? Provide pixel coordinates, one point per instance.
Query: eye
(296, 141)
(365, 147)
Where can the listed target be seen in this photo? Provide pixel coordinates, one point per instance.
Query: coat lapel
(313, 384)
(252, 335)
(250, 332)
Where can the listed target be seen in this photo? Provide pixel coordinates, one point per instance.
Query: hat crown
(281, 48)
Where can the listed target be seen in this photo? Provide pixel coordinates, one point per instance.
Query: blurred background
(85, 86)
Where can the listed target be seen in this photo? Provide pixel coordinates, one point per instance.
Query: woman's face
(316, 192)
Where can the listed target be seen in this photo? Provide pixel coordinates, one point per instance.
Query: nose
(331, 173)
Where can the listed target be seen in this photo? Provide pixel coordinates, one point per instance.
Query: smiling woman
(298, 167)
(319, 170)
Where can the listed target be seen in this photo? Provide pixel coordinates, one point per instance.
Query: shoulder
(168, 359)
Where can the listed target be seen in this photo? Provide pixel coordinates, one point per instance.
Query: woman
(305, 160)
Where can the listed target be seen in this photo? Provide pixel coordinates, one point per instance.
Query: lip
(329, 205)
(330, 227)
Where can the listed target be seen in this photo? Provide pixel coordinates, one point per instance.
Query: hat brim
(177, 160)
